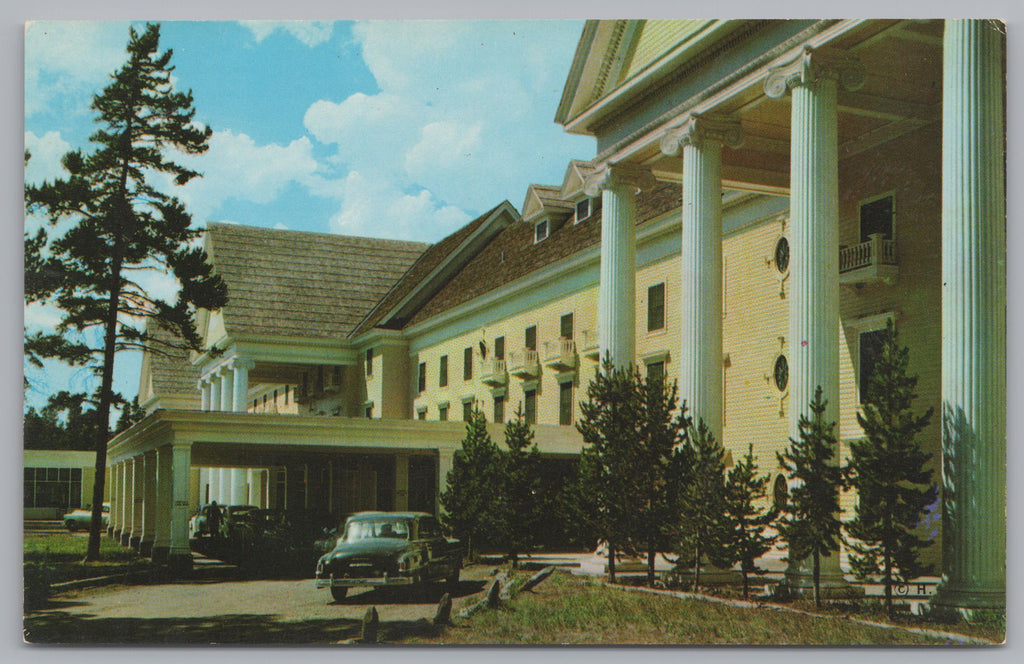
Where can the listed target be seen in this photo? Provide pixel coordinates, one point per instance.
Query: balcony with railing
(868, 262)
(493, 372)
(560, 355)
(587, 344)
(523, 363)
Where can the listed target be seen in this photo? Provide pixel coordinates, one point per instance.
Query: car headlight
(408, 562)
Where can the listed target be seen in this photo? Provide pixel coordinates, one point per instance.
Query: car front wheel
(71, 526)
(339, 594)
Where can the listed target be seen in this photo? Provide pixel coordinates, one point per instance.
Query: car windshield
(364, 529)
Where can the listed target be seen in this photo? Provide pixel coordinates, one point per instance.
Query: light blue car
(80, 519)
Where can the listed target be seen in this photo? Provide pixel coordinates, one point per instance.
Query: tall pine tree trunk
(696, 567)
(746, 580)
(92, 552)
(888, 584)
(611, 562)
(817, 580)
(650, 564)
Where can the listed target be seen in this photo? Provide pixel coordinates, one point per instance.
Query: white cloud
(310, 33)
(464, 112)
(63, 58)
(281, 227)
(46, 151)
(41, 316)
(237, 168)
(373, 206)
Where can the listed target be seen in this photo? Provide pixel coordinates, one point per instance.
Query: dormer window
(540, 231)
(582, 210)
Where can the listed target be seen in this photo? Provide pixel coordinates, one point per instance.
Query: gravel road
(220, 607)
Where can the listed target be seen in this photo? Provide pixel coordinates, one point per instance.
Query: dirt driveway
(219, 607)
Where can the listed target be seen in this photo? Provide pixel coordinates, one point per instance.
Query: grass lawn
(573, 610)
(60, 557)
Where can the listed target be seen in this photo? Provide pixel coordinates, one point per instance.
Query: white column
(115, 516)
(224, 486)
(973, 317)
(255, 479)
(148, 504)
(214, 476)
(162, 541)
(445, 461)
(813, 343)
(124, 496)
(204, 393)
(215, 389)
(138, 481)
(204, 485)
(239, 494)
(227, 390)
(179, 557)
(700, 357)
(241, 368)
(616, 301)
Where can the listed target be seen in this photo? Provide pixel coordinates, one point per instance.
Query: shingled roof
(383, 314)
(170, 371)
(297, 284)
(512, 254)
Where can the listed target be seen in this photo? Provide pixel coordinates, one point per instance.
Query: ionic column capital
(242, 363)
(619, 175)
(812, 65)
(700, 128)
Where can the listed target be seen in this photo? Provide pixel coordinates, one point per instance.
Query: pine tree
(662, 465)
(887, 468)
(470, 497)
(131, 413)
(702, 526)
(519, 499)
(745, 539)
(108, 224)
(812, 527)
(610, 423)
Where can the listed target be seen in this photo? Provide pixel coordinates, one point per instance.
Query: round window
(781, 372)
(780, 492)
(782, 254)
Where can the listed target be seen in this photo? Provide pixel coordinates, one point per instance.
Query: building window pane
(499, 348)
(467, 363)
(531, 338)
(582, 209)
(422, 414)
(540, 231)
(369, 412)
(876, 217)
(565, 403)
(422, 381)
(656, 307)
(655, 372)
(369, 361)
(467, 411)
(871, 345)
(442, 376)
(442, 413)
(286, 390)
(499, 410)
(565, 327)
(530, 407)
(781, 372)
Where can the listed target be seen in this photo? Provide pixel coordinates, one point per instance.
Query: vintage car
(76, 519)
(229, 515)
(389, 549)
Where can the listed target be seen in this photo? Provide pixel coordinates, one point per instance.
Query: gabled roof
(166, 372)
(306, 285)
(575, 174)
(544, 200)
(434, 268)
(512, 254)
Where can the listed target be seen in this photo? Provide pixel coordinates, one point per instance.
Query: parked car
(389, 549)
(76, 519)
(229, 515)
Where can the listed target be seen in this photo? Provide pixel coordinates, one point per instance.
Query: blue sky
(387, 129)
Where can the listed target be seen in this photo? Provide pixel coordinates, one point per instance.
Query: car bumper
(352, 582)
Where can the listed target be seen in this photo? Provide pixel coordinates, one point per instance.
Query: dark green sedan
(389, 549)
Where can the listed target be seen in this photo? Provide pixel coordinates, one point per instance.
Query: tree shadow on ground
(249, 629)
(429, 594)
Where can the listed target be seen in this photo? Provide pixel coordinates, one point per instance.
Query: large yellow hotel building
(764, 197)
